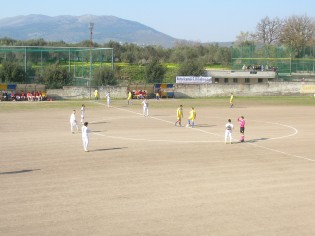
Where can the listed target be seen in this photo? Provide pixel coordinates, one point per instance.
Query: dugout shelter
(165, 90)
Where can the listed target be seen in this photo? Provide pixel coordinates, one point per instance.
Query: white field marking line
(282, 137)
(281, 152)
(170, 122)
(259, 146)
(207, 132)
(156, 140)
(288, 126)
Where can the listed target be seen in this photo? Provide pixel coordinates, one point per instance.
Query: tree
(130, 53)
(35, 42)
(117, 48)
(7, 41)
(12, 72)
(268, 30)
(104, 76)
(297, 33)
(154, 72)
(222, 56)
(245, 39)
(54, 77)
(191, 68)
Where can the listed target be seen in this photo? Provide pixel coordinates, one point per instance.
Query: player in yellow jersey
(129, 99)
(96, 95)
(191, 118)
(180, 115)
(231, 100)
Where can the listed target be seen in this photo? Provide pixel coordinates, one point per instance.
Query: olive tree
(154, 72)
(12, 72)
(191, 68)
(104, 76)
(54, 77)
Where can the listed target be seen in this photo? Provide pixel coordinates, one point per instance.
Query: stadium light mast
(91, 26)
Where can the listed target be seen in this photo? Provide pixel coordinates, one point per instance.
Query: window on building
(247, 81)
(226, 80)
(235, 80)
(216, 80)
(260, 80)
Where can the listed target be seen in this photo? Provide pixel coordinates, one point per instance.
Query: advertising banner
(193, 80)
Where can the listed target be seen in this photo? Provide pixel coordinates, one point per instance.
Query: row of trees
(149, 64)
(53, 76)
(134, 54)
(190, 58)
(295, 32)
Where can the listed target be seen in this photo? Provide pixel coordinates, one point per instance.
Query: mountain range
(74, 29)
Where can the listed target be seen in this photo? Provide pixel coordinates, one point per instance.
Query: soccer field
(144, 176)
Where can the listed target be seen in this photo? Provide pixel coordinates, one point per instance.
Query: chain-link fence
(79, 61)
(279, 59)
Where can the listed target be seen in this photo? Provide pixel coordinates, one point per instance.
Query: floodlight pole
(91, 26)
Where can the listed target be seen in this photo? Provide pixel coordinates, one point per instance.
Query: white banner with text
(193, 80)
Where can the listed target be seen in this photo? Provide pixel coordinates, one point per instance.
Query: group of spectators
(23, 96)
(139, 94)
(259, 67)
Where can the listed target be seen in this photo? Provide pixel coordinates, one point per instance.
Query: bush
(54, 77)
(12, 72)
(104, 76)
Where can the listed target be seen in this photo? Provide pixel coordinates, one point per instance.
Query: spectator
(23, 98)
(29, 97)
(44, 96)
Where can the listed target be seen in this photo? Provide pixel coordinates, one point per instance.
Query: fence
(280, 59)
(79, 61)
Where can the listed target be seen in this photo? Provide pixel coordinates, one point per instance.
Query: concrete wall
(264, 89)
(195, 90)
(85, 93)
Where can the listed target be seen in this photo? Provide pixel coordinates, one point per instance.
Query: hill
(74, 29)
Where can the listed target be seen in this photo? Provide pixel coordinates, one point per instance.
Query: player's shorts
(242, 130)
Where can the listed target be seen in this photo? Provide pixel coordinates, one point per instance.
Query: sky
(197, 20)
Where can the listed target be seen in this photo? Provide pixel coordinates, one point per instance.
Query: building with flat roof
(241, 77)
